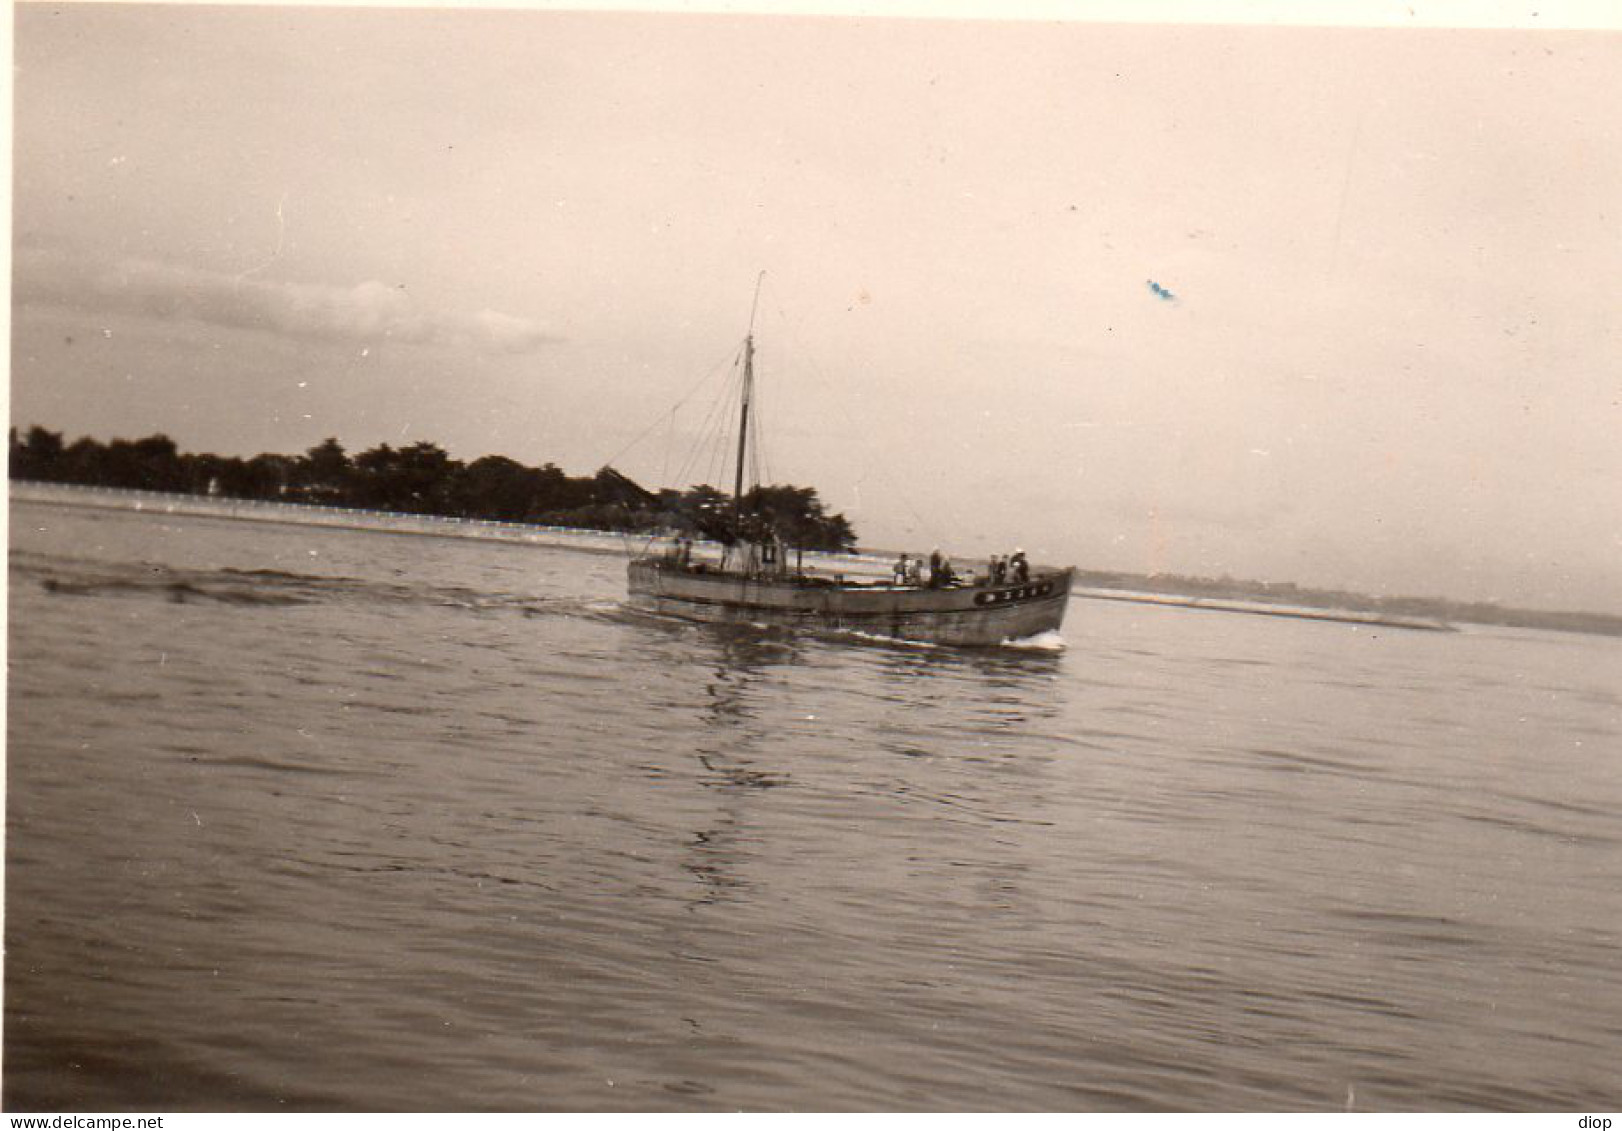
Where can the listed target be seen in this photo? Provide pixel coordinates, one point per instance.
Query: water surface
(318, 818)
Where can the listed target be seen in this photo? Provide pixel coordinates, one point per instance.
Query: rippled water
(311, 818)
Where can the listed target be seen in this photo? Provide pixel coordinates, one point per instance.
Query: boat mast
(743, 421)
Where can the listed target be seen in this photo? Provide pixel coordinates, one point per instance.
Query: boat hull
(969, 616)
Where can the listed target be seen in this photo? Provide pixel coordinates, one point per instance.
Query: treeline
(424, 479)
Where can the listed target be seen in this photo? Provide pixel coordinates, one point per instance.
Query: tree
(498, 488)
(268, 476)
(36, 456)
(323, 471)
(796, 516)
(158, 465)
(414, 480)
(708, 512)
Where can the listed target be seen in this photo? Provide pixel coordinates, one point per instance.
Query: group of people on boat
(1012, 570)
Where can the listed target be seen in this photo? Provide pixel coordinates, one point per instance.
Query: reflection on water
(729, 752)
(410, 823)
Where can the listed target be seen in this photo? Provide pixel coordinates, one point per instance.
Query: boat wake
(272, 589)
(1049, 641)
(880, 638)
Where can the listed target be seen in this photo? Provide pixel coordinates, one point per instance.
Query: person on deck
(902, 570)
(998, 568)
(935, 568)
(915, 571)
(1019, 567)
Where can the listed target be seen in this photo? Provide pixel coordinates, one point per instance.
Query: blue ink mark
(1161, 292)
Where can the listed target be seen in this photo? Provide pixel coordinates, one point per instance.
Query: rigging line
(762, 460)
(714, 425)
(925, 527)
(759, 456)
(763, 432)
(670, 438)
(664, 476)
(757, 450)
(768, 475)
(699, 444)
(754, 465)
(711, 421)
(712, 440)
(651, 538)
(723, 448)
(708, 373)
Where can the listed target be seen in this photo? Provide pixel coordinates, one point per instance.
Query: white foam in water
(880, 638)
(1049, 641)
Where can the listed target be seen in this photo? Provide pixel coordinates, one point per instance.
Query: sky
(1331, 305)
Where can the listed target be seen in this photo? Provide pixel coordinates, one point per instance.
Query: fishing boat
(754, 582)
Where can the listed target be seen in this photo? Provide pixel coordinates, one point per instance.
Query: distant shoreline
(301, 514)
(382, 522)
(1258, 608)
(1432, 615)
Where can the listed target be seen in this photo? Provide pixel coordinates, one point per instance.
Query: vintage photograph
(677, 561)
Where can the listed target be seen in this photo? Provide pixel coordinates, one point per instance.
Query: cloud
(369, 312)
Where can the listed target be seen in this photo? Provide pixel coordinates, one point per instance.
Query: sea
(306, 818)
